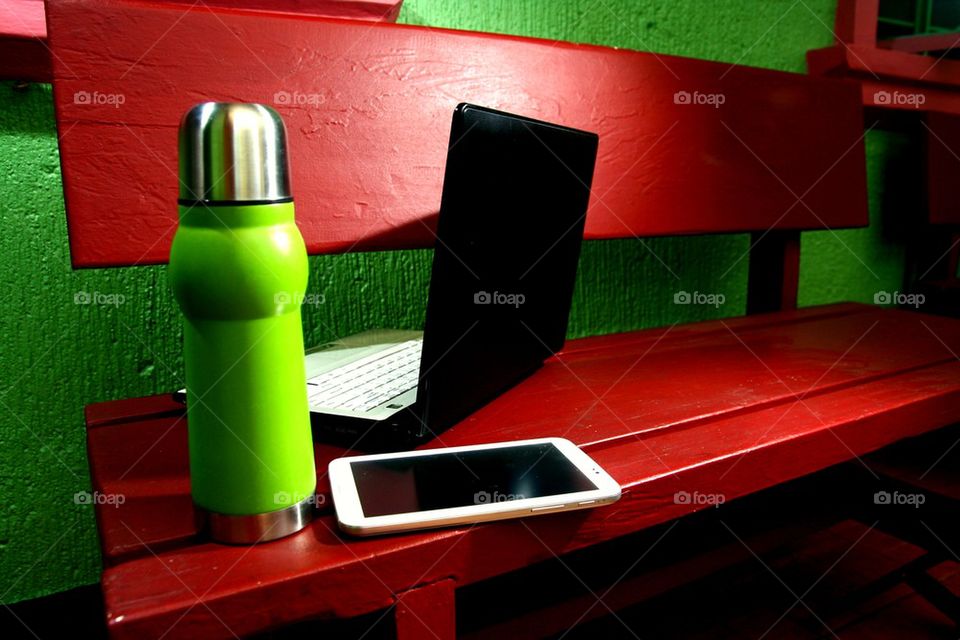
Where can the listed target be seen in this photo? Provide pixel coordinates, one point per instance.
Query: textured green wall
(57, 356)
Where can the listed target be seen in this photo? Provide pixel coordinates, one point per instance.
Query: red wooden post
(857, 21)
(427, 612)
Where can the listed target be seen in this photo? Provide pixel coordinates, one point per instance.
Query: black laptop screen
(511, 223)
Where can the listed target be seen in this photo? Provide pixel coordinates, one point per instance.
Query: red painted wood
(153, 476)
(377, 10)
(23, 33)
(885, 63)
(649, 337)
(893, 79)
(767, 400)
(368, 134)
(856, 21)
(23, 18)
(24, 54)
(152, 439)
(115, 411)
(427, 612)
(920, 43)
(943, 167)
(891, 72)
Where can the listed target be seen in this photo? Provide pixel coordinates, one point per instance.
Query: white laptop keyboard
(368, 382)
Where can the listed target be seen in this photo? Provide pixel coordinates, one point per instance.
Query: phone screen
(445, 480)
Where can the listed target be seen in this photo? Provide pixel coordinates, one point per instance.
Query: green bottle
(238, 268)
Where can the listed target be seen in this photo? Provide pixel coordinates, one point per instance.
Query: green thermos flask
(238, 269)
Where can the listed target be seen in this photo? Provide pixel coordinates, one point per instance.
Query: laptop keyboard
(368, 382)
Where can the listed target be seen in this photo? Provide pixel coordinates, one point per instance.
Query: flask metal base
(258, 527)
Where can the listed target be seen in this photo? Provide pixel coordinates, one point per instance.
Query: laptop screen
(511, 222)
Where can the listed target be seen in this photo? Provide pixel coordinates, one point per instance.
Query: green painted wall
(57, 356)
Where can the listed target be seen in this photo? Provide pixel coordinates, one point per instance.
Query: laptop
(511, 221)
(508, 238)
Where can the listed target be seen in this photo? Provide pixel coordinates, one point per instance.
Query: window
(905, 18)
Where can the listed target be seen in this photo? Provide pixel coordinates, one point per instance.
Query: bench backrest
(686, 146)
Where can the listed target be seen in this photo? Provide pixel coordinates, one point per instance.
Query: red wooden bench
(720, 408)
(904, 88)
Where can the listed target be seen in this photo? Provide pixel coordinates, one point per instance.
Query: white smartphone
(390, 492)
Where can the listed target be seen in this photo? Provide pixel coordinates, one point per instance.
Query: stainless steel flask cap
(233, 152)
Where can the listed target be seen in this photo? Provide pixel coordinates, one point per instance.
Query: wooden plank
(152, 475)
(657, 390)
(695, 416)
(885, 64)
(920, 43)
(102, 413)
(138, 446)
(23, 50)
(368, 112)
(427, 611)
(23, 19)
(668, 384)
(376, 10)
(892, 79)
(24, 54)
(649, 337)
(856, 21)
(316, 575)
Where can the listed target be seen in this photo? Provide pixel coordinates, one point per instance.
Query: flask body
(239, 273)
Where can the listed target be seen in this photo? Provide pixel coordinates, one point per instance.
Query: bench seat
(681, 416)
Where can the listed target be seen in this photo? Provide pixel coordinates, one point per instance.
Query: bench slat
(138, 447)
(744, 433)
(368, 110)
